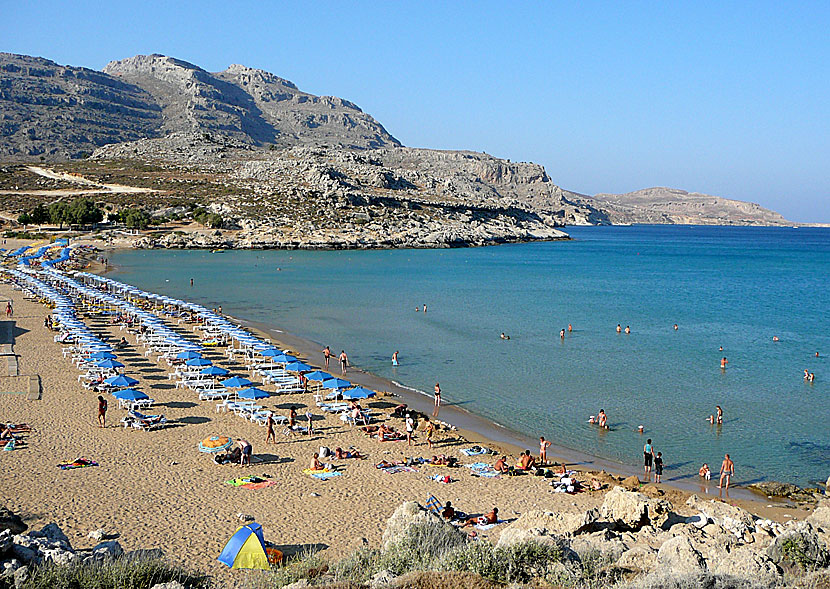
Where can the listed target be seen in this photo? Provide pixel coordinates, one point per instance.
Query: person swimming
(675, 326)
(775, 338)
(570, 328)
(627, 329)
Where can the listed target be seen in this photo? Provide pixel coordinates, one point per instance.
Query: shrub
(309, 564)
(358, 567)
(123, 573)
(421, 546)
(478, 558)
(208, 219)
(528, 560)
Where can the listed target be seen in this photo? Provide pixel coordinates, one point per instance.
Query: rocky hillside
(673, 206)
(54, 112)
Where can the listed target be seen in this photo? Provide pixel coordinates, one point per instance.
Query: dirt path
(94, 187)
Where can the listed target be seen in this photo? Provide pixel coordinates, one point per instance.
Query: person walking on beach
(658, 467)
(727, 471)
(271, 437)
(543, 450)
(437, 400)
(648, 458)
(410, 426)
(327, 355)
(344, 361)
(102, 411)
(292, 416)
(9, 309)
(309, 417)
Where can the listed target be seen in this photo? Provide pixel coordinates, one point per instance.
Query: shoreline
(478, 429)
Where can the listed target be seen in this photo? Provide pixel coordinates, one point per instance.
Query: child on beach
(704, 472)
(658, 467)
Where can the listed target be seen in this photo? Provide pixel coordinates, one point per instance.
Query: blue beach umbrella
(318, 375)
(214, 371)
(188, 355)
(271, 352)
(103, 356)
(198, 362)
(297, 366)
(252, 393)
(336, 383)
(121, 381)
(236, 382)
(130, 395)
(358, 393)
(109, 364)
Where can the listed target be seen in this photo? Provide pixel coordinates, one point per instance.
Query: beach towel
(478, 465)
(322, 474)
(79, 463)
(9, 446)
(260, 485)
(474, 451)
(485, 527)
(441, 478)
(243, 481)
(432, 504)
(482, 469)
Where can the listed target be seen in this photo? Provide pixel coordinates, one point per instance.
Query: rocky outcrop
(799, 547)
(678, 556)
(406, 515)
(11, 521)
(547, 527)
(633, 510)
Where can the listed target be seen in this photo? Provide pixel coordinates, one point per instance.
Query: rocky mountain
(54, 112)
(673, 206)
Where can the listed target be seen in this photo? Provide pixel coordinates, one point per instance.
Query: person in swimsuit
(501, 465)
(602, 419)
(727, 471)
(425, 307)
(429, 430)
(315, 462)
(9, 310)
(437, 400)
(627, 329)
(271, 436)
(570, 328)
(327, 355)
(648, 458)
(490, 518)
(344, 361)
(526, 462)
(561, 334)
(292, 416)
(658, 467)
(246, 449)
(675, 326)
(704, 472)
(448, 512)
(619, 328)
(102, 411)
(720, 415)
(543, 450)
(723, 363)
(410, 427)
(309, 418)
(395, 358)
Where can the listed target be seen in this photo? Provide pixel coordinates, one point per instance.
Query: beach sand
(155, 490)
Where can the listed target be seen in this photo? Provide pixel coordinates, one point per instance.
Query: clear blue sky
(726, 98)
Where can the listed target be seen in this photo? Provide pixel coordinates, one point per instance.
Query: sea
(734, 288)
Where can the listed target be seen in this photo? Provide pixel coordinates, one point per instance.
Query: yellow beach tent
(246, 549)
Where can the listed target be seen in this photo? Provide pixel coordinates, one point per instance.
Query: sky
(724, 98)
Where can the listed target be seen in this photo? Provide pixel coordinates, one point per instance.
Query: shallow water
(724, 286)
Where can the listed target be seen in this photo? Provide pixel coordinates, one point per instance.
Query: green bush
(112, 574)
(478, 558)
(208, 219)
(134, 218)
(421, 547)
(358, 567)
(309, 564)
(529, 560)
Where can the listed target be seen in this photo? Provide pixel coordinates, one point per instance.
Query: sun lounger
(146, 422)
(214, 394)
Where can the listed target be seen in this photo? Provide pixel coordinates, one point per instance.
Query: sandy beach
(155, 490)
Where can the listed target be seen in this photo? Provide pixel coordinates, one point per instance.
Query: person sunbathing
(386, 464)
(487, 519)
(7, 433)
(501, 465)
(526, 462)
(315, 462)
(341, 454)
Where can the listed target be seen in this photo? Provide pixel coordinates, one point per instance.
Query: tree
(134, 218)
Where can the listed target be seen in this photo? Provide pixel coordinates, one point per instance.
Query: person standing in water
(619, 328)
(327, 355)
(570, 328)
(648, 458)
(562, 334)
(675, 326)
(437, 400)
(727, 471)
(425, 307)
(658, 467)
(191, 282)
(723, 363)
(395, 358)
(627, 329)
(719, 418)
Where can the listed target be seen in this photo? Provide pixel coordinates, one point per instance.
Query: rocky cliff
(673, 206)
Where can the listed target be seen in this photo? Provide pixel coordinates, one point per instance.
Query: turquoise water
(724, 286)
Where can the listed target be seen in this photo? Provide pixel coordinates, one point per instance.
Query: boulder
(405, 515)
(10, 521)
(109, 549)
(799, 547)
(96, 535)
(734, 520)
(631, 483)
(382, 579)
(820, 517)
(24, 554)
(747, 563)
(603, 543)
(537, 524)
(9, 567)
(58, 556)
(678, 556)
(633, 510)
(639, 559)
(21, 575)
(52, 532)
(5, 541)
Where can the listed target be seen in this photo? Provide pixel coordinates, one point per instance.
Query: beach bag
(548, 474)
(540, 472)
(324, 452)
